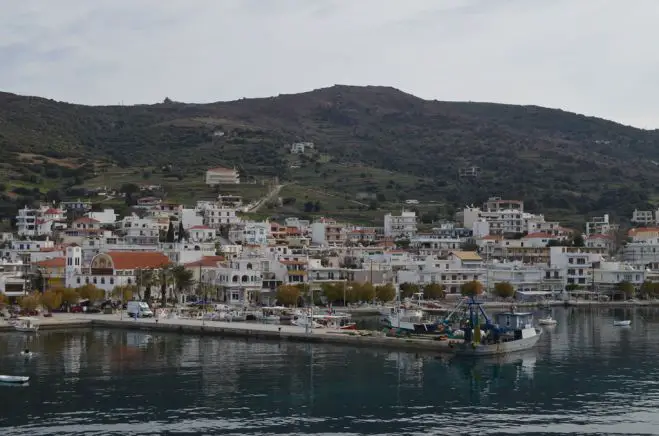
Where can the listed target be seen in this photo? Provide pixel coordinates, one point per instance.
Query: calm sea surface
(585, 377)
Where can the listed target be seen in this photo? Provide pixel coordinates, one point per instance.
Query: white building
(107, 270)
(403, 226)
(40, 221)
(607, 276)
(600, 225)
(216, 214)
(460, 267)
(107, 217)
(240, 280)
(301, 147)
(202, 234)
(645, 217)
(578, 265)
(222, 176)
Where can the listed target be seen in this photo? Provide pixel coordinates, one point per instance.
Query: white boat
(14, 379)
(304, 321)
(336, 322)
(27, 325)
(622, 323)
(547, 321)
(511, 332)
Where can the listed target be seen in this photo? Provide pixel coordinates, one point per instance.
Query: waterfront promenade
(247, 330)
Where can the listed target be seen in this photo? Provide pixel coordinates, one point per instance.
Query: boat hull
(26, 329)
(622, 323)
(470, 349)
(16, 379)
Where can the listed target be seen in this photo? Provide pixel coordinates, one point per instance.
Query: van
(138, 309)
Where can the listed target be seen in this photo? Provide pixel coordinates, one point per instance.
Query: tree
(124, 292)
(145, 279)
(29, 302)
(181, 231)
(332, 291)
(69, 296)
(434, 291)
(504, 290)
(91, 293)
(626, 288)
(408, 289)
(170, 233)
(3, 299)
(51, 300)
(288, 295)
(363, 291)
(472, 288)
(649, 289)
(182, 278)
(163, 278)
(385, 293)
(578, 241)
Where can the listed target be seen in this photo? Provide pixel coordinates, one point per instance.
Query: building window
(95, 281)
(112, 280)
(87, 280)
(102, 280)
(78, 280)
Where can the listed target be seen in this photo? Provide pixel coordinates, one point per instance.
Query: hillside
(375, 140)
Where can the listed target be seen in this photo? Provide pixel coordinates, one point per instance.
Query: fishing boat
(14, 379)
(305, 320)
(623, 323)
(27, 325)
(547, 321)
(512, 331)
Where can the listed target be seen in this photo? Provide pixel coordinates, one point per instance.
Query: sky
(596, 57)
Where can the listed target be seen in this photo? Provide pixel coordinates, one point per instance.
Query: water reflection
(586, 376)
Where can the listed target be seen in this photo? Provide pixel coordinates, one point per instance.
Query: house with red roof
(110, 269)
(222, 176)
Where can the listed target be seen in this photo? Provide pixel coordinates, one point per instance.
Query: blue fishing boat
(511, 331)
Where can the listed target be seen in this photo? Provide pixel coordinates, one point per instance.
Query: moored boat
(512, 331)
(27, 325)
(14, 379)
(547, 321)
(335, 322)
(622, 323)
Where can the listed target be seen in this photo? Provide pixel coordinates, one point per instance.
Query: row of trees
(364, 292)
(177, 276)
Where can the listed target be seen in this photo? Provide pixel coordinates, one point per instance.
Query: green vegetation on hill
(374, 148)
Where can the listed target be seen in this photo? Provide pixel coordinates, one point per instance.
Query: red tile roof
(86, 220)
(206, 261)
(137, 259)
(52, 211)
(539, 235)
(599, 236)
(221, 170)
(636, 230)
(56, 262)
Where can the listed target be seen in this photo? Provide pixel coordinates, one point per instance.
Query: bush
(471, 289)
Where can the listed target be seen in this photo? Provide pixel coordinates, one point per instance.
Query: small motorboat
(27, 354)
(547, 321)
(14, 379)
(623, 323)
(27, 325)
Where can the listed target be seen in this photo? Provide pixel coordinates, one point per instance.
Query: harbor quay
(247, 330)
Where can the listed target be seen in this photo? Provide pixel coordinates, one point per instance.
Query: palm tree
(182, 278)
(163, 278)
(144, 278)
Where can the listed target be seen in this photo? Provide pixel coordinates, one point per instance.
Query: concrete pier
(247, 330)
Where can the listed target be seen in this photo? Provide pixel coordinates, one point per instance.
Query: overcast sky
(597, 57)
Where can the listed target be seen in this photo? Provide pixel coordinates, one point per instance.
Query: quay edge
(59, 325)
(257, 332)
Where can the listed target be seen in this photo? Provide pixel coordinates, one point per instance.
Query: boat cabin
(514, 320)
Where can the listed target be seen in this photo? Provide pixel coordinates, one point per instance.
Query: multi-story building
(328, 232)
(607, 276)
(645, 217)
(578, 264)
(222, 176)
(239, 280)
(216, 214)
(457, 269)
(40, 221)
(600, 225)
(504, 217)
(107, 270)
(403, 226)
